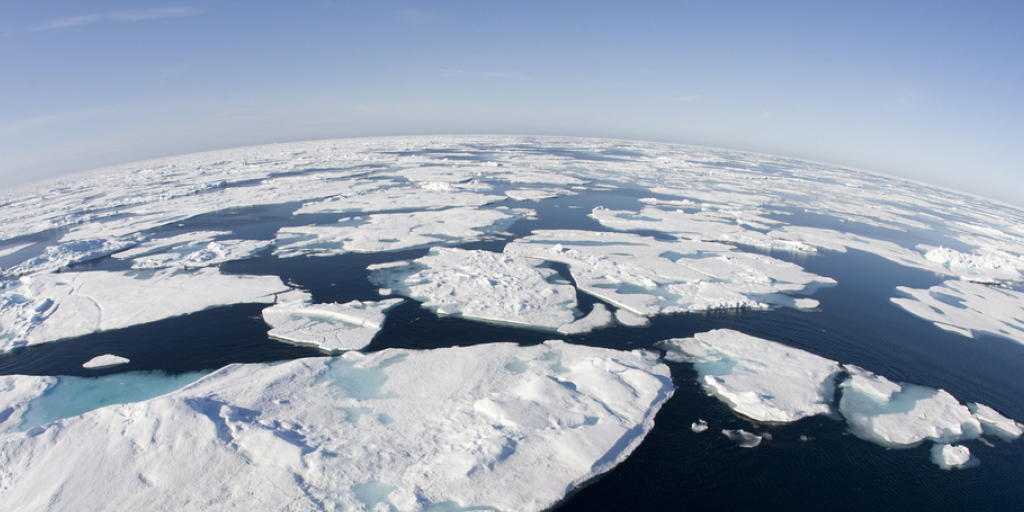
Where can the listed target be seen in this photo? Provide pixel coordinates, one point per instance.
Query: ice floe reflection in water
(800, 465)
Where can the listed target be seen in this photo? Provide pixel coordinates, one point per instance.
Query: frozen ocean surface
(890, 311)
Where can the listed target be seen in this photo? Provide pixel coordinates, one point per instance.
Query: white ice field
(494, 425)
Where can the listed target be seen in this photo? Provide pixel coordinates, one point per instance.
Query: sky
(927, 90)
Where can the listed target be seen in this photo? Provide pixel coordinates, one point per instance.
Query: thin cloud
(152, 13)
(686, 98)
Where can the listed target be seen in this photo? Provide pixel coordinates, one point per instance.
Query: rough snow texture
(56, 257)
(648, 277)
(332, 327)
(48, 307)
(996, 424)
(760, 379)
(503, 426)
(16, 394)
(395, 231)
(105, 360)
(967, 308)
(950, 456)
(486, 286)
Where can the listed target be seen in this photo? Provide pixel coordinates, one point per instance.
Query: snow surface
(395, 231)
(399, 198)
(770, 382)
(743, 439)
(397, 429)
(950, 456)
(699, 426)
(332, 327)
(648, 277)
(47, 307)
(486, 286)
(56, 257)
(967, 308)
(191, 250)
(105, 360)
(760, 379)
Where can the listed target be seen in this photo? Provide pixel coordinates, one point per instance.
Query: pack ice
(482, 285)
(332, 327)
(770, 382)
(47, 307)
(967, 308)
(494, 426)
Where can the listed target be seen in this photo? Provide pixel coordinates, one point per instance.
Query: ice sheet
(332, 327)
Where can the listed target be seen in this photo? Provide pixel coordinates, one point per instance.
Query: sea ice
(951, 456)
(985, 265)
(104, 361)
(699, 426)
(967, 308)
(399, 198)
(994, 423)
(47, 307)
(395, 231)
(447, 426)
(902, 415)
(486, 286)
(760, 379)
(191, 250)
(597, 318)
(63, 255)
(648, 277)
(742, 438)
(332, 327)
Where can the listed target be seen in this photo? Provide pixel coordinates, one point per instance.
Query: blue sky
(928, 90)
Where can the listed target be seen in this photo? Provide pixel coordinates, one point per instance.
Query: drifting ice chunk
(881, 411)
(699, 426)
(760, 379)
(104, 361)
(951, 456)
(536, 194)
(994, 423)
(967, 308)
(349, 326)
(460, 430)
(399, 198)
(484, 285)
(396, 231)
(742, 438)
(47, 307)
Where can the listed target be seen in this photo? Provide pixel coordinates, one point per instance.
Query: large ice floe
(488, 427)
(332, 327)
(769, 382)
(967, 308)
(646, 276)
(485, 286)
(191, 250)
(395, 231)
(48, 307)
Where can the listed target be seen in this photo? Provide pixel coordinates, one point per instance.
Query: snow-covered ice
(63, 255)
(742, 438)
(105, 360)
(399, 198)
(951, 456)
(48, 307)
(760, 379)
(967, 308)
(395, 231)
(332, 327)
(699, 426)
(191, 250)
(994, 423)
(486, 286)
(649, 277)
(397, 429)
(597, 318)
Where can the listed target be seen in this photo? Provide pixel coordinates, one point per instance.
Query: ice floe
(769, 382)
(760, 379)
(487, 286)
(395, 231)
(104, 361)
(967, 308)
(699, 426)
(648, 277)
(47, 307)
(597, 318)
(63, 255)
(743, 439)
(398, 198)
(951, 456)
(191, 250)
(396, 430)
(332, 327)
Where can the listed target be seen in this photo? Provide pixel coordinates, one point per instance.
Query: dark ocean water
(811, 464)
